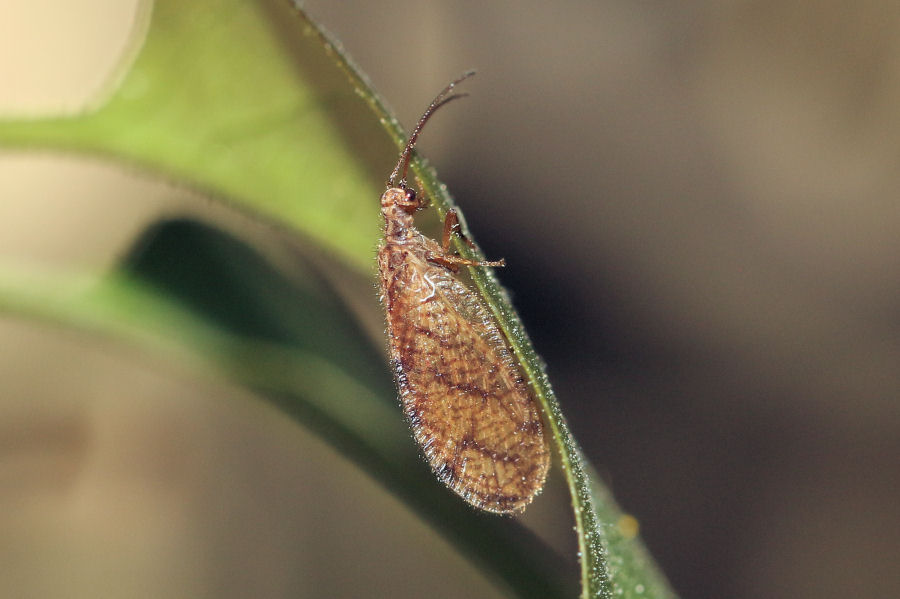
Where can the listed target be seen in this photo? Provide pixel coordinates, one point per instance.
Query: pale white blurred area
(698, 203)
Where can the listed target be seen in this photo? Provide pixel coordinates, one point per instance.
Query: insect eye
(411, 196)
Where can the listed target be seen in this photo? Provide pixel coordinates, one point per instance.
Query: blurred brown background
(698, 203)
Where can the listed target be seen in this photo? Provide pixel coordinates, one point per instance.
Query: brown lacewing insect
(470, 410)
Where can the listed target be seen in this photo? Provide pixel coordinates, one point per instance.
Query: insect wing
(469, 408)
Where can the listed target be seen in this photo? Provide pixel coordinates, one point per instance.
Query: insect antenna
(442, 98)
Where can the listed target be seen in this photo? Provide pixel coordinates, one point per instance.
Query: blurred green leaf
(234, 99)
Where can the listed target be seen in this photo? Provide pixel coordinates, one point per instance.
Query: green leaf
(238, 100)
(250, 103)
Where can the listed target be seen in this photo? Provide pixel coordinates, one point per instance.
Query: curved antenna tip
(439, 100)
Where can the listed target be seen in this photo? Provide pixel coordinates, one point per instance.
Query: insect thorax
(397, 213)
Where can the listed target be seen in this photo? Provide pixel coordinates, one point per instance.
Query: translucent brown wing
(467, 404)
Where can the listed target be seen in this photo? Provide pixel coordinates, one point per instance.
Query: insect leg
(451, 226)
